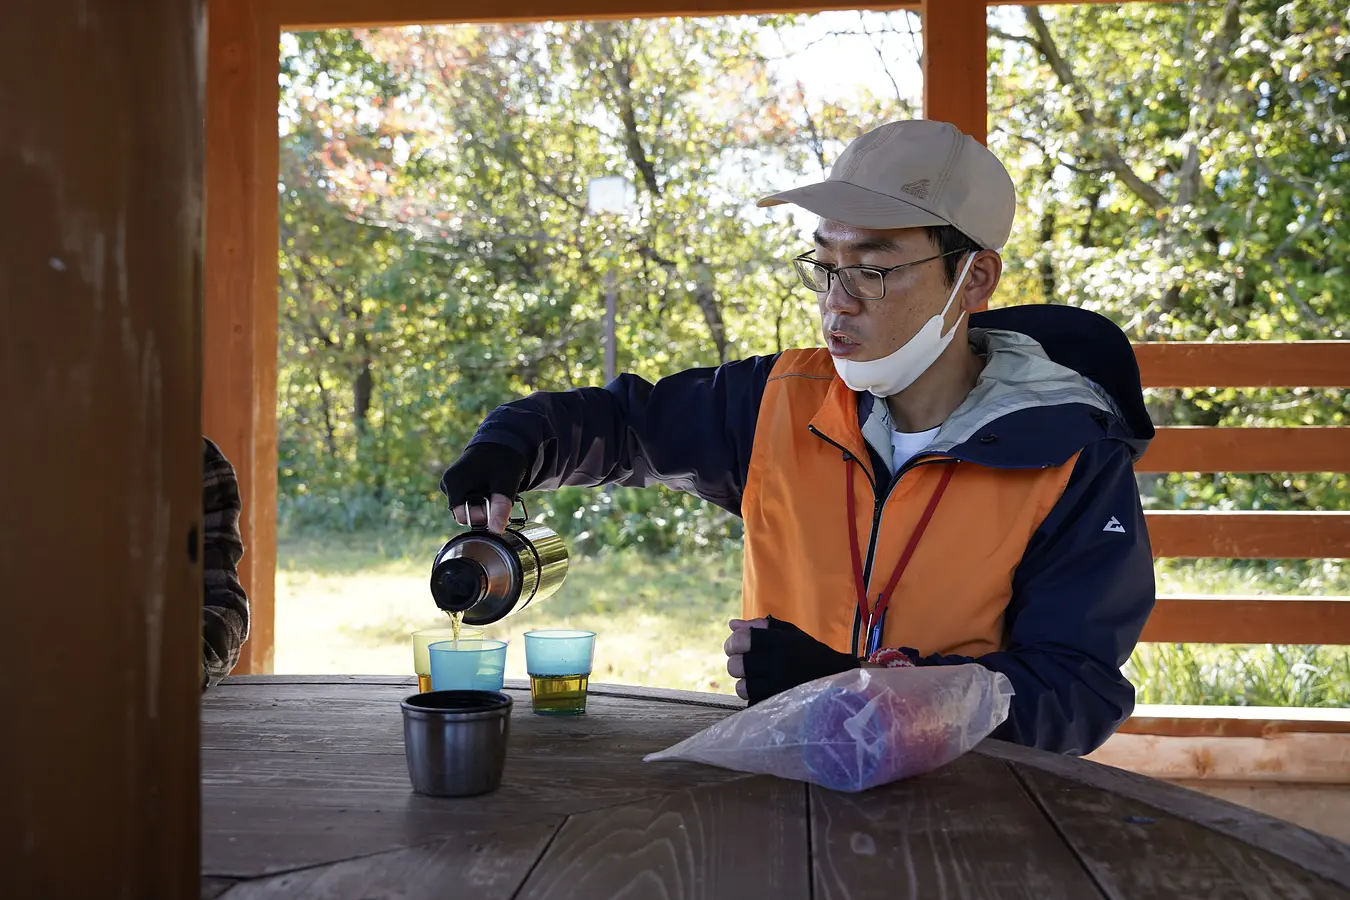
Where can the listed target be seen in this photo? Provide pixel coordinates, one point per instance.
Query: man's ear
(983, 278)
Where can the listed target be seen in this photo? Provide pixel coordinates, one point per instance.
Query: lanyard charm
(876, 625)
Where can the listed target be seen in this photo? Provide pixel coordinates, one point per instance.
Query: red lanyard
(876, 618)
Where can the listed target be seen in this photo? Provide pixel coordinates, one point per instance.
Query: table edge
(1315, 852)
(1310, 850)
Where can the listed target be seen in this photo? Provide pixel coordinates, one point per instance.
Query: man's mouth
(841, 344)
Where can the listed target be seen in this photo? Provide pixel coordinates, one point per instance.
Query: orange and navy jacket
(1035, 563)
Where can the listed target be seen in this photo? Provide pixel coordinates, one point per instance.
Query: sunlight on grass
(349, 607)
(349, 604)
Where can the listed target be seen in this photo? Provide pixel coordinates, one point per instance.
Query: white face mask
(892, 374)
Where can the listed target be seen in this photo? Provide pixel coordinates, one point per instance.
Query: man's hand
(768, 656)
(736, 647)
(484, 472)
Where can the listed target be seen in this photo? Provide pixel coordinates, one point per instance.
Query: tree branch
(814, 138)
(1045, 41)
(1018, 38)
(648, 252)
(1057, 158)
(1202, 112)
(881, 57)
(621, 77)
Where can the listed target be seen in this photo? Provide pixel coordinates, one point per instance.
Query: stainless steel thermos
(487, 576)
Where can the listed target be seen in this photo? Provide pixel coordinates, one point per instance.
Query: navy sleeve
(1081, 596)
(691, 431)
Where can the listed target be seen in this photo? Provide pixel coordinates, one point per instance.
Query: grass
(347, 604)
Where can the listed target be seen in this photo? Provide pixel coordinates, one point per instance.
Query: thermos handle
(487, 510)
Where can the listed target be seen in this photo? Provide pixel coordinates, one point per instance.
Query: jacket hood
(1056, 378)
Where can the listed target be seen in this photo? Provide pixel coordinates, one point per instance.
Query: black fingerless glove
(783, 656)
(481, 471)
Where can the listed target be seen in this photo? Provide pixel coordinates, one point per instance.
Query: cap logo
(916, 188)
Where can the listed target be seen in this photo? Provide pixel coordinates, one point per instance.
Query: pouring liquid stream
(456, 623)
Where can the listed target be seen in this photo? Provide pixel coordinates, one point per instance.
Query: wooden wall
(101, 455)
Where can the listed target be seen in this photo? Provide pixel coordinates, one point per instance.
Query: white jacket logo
(1114, 525)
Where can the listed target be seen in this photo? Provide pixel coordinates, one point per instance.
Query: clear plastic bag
(858, 729)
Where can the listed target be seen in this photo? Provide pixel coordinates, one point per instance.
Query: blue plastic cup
(559, 664)
(470, 665)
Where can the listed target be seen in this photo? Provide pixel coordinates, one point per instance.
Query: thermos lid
(458, 583)
(477, 569)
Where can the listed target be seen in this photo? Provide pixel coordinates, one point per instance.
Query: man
(224, 603)
(937, 486)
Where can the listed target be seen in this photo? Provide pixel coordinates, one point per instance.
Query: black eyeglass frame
(800, 262)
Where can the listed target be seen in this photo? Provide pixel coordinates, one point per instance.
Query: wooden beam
(1245, 364)
(1250, 620)
(240, 330)
(1250, 535)
(101, 459)
(954, 67)
(1290, 758)
(312, 15)
(259, 656)
(1235, 721)
(1195, 449)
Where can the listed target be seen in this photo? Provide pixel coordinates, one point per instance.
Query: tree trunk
(362, 390)
(329, 440)
(1085, 237)
(364, 387)
(706, 298)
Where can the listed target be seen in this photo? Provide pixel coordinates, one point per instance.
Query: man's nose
(838, 300)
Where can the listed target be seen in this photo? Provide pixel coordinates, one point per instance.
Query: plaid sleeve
(224, 603)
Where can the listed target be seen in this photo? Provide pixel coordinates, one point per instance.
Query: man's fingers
(742, 692)
(476, 510)
(494, 513)
(737, 643)
(742, 624)
(736, 666)
(501, 512)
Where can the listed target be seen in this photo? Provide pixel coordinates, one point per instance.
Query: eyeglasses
(860, 282)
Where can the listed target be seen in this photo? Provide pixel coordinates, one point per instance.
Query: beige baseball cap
(911, 174)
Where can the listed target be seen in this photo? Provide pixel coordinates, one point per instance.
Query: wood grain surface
(1136, 850)
(966, 830)
(305, 794)
(743, 839)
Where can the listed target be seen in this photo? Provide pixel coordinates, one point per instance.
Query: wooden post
(240, 324)
(954, 67)
(101, 459)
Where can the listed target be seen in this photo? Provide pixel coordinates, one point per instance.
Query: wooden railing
(1256, 534)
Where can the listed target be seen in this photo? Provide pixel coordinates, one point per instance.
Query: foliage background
(1180, 168)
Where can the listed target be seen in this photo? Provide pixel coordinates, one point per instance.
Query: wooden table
(305, 795)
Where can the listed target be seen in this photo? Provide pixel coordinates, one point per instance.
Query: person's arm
(1081, 596)
(691, 431)
(224, 603)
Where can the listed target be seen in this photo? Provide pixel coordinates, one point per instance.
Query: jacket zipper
(878, 504)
